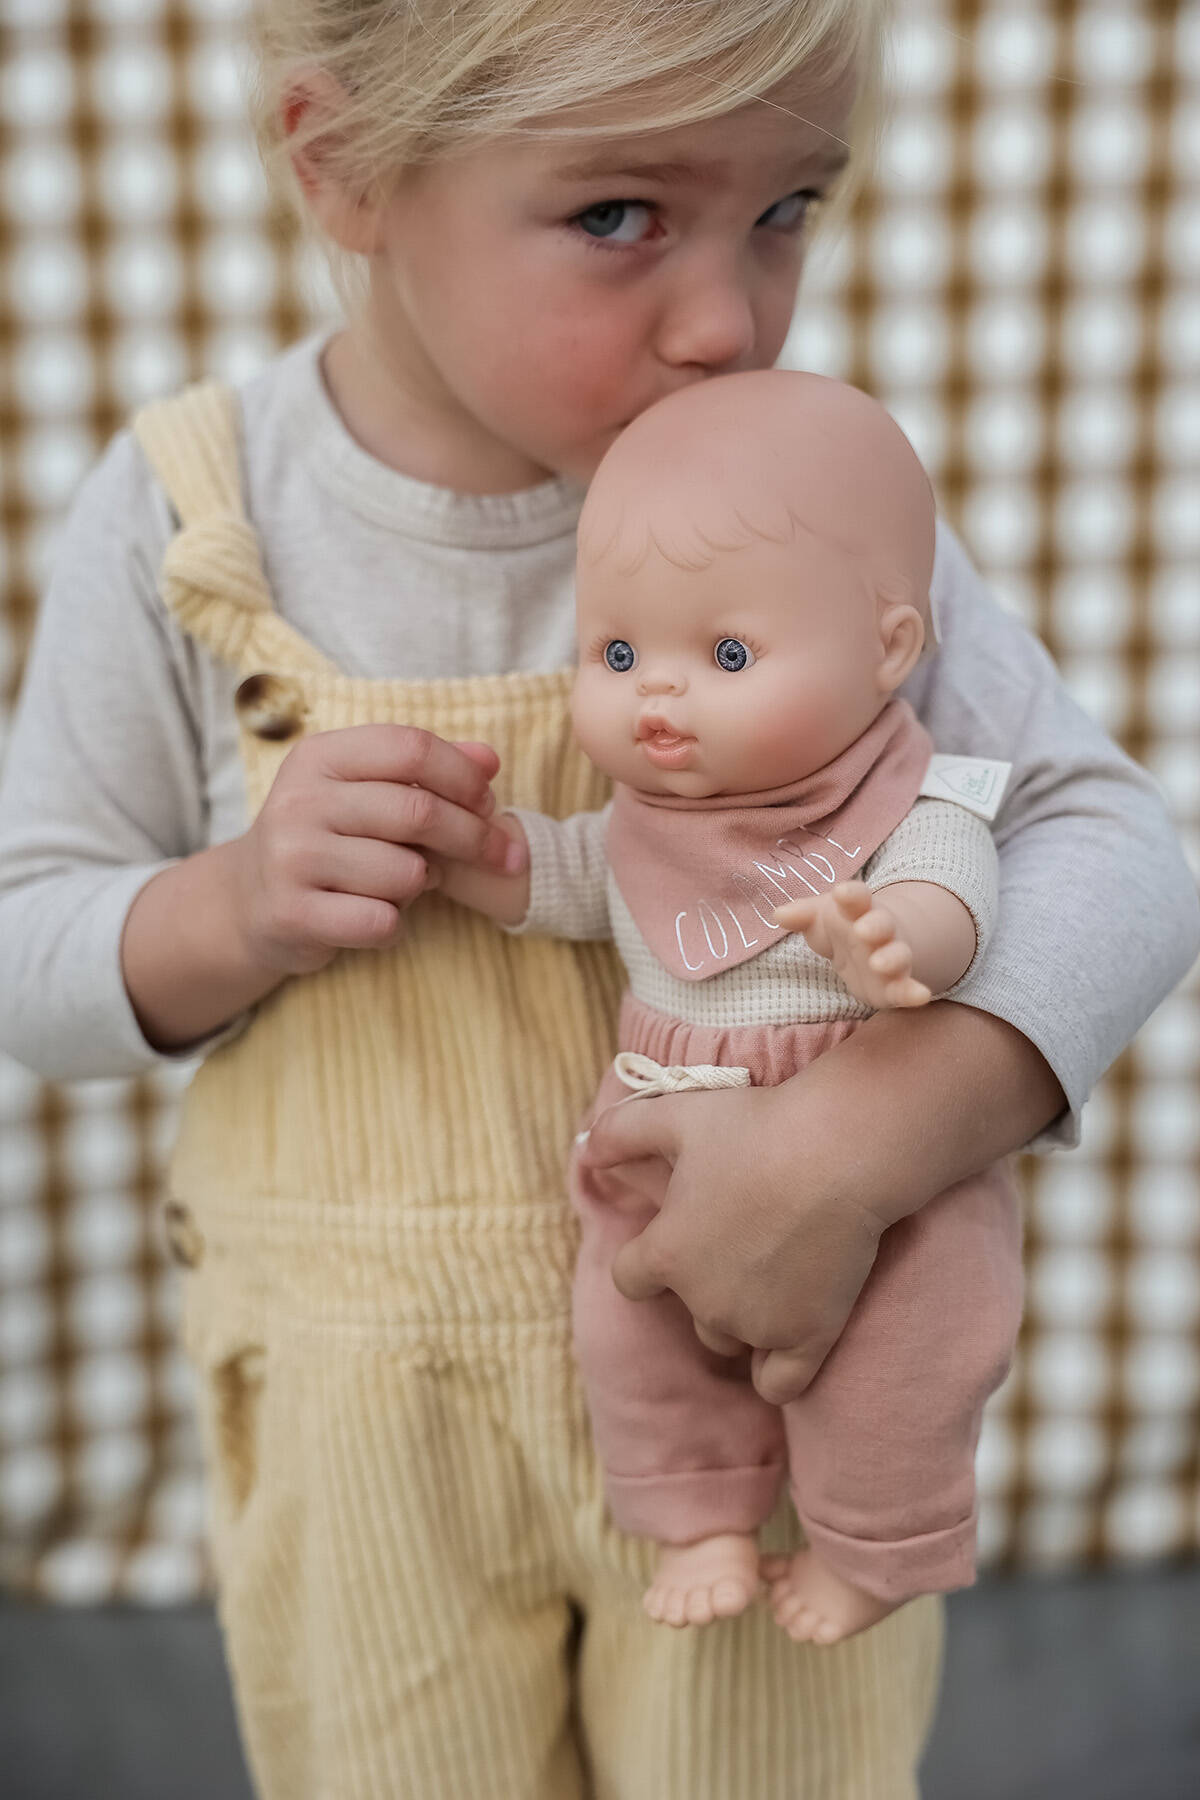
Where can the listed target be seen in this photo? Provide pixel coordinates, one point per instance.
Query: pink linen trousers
(879, 1452)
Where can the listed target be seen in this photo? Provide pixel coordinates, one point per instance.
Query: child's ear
(901, 635)
(309, 117)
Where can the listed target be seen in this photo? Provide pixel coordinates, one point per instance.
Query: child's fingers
(718, 1341)
(483, 754)
(638, 1269)
(399, 813)
(404, 753)
(351, 921)
(626, 1132)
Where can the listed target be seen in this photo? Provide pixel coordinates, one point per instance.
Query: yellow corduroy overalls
(421, 1596)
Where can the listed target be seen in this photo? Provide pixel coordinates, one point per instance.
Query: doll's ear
(310, 122)
(901, 633)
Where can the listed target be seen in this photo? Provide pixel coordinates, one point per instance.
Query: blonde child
(223, 782)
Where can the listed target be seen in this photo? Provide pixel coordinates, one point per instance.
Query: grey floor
(1055, 1690)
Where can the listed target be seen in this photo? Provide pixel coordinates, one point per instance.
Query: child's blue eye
(620, 656)
(787, 214)
(733, 655)
(605, 221)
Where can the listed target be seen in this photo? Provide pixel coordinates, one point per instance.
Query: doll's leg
(692, 1456)
(882, 1445)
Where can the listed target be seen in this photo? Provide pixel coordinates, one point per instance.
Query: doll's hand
(861, 939)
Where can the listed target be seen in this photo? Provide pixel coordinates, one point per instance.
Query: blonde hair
(424, 78)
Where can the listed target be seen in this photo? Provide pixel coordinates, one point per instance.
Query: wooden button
(185, 1241)
(271, 706)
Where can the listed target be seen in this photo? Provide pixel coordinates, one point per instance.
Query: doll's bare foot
(815, 1606)
(714, 1578)
(860, 938)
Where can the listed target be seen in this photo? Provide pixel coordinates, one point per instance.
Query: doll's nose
(661, 681)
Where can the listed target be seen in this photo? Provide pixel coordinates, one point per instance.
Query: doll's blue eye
(620, 656)
(733, 655)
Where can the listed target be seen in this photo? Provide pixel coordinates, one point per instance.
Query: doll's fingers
(876, 927)
(908, 992)
(852, 899)
(891, 959)
(796, 915)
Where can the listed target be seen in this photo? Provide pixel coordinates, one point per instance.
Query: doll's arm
(563, 893)
(502, 897)
(919, 917)
(897, 947)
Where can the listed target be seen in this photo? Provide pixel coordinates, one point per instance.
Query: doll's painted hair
(774, 455)
(423, 78)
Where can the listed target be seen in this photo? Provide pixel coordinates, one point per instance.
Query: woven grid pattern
(1021, 288)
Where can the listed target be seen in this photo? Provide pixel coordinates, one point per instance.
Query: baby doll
(755, 555)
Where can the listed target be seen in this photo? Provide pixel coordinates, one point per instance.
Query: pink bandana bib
(701, 877)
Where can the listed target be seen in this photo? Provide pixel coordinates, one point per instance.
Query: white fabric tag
(972, 781)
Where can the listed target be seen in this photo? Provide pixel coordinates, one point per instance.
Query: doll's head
(755, 555)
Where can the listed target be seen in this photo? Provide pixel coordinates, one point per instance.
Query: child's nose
(711, 322)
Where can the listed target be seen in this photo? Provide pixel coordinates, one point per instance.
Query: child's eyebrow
(618, 168)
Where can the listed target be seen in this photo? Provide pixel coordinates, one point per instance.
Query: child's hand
(755, 1231)
(861, 939)
(772, 1200)
(338, 850)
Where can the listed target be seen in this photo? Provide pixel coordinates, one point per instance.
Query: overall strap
(212, 579)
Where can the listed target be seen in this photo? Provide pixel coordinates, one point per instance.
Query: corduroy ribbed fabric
(421, 1595)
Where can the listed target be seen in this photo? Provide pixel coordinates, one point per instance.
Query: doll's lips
(662, 744)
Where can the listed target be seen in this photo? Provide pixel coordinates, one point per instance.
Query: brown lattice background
(1022, 287)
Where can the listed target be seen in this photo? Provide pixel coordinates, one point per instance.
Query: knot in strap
(648, 1078)
(215, 557)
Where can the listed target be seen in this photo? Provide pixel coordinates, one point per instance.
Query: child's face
(532, 308)
(746, 675)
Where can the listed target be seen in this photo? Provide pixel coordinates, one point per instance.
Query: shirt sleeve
(1098, 916)
(102, 785)
(568, 876)
(945, 844)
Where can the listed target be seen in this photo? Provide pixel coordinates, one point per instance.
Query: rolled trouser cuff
(694, 1503)
(898, 1569)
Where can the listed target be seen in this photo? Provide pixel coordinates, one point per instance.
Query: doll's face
(748, 674)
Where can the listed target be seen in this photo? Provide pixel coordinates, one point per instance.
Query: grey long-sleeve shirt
(123, 751)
